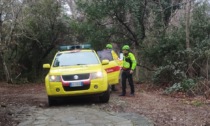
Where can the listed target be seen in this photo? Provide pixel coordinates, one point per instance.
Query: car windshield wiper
(64, 65)
(73, 65)
(81, 64)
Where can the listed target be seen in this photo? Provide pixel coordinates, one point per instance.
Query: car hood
(75, 69)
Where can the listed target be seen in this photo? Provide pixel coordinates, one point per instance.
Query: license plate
(76, 84)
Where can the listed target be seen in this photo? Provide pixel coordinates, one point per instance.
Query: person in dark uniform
(129, 65)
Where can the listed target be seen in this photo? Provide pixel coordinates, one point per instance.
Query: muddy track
(19, 102)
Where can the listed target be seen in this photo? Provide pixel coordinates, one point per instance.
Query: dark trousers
(126, 75)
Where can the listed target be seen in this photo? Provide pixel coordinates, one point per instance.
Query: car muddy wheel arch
(51, 101)
(104, 98)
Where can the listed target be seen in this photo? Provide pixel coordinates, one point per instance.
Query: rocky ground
(17, 101)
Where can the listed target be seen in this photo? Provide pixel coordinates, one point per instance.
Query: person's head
(125, 49)
(109, 46)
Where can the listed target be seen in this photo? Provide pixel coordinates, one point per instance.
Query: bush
(169, 74)
(186, 85)
(174, 88)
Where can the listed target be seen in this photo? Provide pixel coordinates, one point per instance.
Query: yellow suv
(78, 71)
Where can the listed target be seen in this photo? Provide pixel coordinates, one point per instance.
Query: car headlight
(96, 75)
(54, 78)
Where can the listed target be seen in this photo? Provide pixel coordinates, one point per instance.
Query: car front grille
(76, 77)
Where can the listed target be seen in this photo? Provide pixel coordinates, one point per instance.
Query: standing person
(109, 46)
(129, 65)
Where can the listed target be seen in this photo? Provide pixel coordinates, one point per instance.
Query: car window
(105, 54)
(121, 56)
(75, 58)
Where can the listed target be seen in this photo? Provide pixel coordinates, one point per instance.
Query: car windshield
(75, 58)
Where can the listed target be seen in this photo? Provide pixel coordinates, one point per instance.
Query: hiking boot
(114, 89)
(132, 94)
(122, 94)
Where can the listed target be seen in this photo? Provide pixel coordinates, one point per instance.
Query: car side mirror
(46, 65)
(105, 62)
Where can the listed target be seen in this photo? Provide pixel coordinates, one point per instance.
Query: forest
(170, 38)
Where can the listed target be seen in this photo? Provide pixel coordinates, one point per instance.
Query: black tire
(51, 101)
(105, 96)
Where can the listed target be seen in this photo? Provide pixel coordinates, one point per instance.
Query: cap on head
(109, 46)
(126, 47)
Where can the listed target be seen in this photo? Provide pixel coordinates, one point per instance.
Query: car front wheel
(51, 101)
(105, 97)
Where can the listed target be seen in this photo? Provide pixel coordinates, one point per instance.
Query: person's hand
(131, 71)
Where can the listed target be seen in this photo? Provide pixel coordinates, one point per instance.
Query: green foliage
(42, 29)
(121, 21)
(200, 26)
(185, 85)
(174, 88)
(97, 28)
(87, 32)
(37, 28)
(169, 74)
(144, 24)
(169, 49)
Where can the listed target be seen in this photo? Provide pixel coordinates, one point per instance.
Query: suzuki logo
(76, 77)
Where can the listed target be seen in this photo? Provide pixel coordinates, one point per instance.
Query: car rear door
(113, 68)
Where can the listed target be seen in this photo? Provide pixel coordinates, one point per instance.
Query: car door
(113, 68)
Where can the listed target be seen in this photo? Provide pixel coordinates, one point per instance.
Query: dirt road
(21, 104)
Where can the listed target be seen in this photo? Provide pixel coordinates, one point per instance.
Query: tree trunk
(187, 24)
(6, 71)
(187, 30)
(72, 5)
(207, 69)
(137, 72)
(0, 29)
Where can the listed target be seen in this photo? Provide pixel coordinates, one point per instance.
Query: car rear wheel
(105, 97)
(51, 101)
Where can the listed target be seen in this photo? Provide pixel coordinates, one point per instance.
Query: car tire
(51, 101)
(105, 96)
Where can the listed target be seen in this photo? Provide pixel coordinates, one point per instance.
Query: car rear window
(75, 58)
(105, 54)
